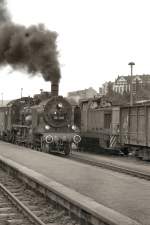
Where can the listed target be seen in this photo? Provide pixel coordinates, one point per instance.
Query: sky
(96, 41)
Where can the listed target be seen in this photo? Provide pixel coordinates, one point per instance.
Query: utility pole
(2, 97)
(21, 92)
(131, 64)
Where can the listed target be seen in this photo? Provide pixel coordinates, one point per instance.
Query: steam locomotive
(44, 122)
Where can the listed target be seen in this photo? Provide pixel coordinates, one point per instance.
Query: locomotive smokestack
(54, 88)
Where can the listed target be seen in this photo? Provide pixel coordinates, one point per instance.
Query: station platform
(123, 193)
(122, 161)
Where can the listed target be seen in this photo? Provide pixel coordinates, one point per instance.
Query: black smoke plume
(33, 48)
(4, 15)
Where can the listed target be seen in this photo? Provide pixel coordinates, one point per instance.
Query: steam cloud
(32, 48)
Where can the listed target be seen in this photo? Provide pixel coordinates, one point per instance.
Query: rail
(21, 207)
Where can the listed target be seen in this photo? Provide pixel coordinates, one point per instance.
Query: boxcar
(135, 129)
(99, 125)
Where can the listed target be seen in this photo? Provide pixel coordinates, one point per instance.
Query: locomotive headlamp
(47, 127)
(28, 118)
(49, 139)
(60, 105)
(74, 127)
(76, 139)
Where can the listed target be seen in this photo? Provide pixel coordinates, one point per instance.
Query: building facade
(82, 94)
(122, 83)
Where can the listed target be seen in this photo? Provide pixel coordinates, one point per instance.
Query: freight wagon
(100, 126)
(135, 130)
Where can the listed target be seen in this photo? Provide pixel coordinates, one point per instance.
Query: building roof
(144, 77)
(82, 91)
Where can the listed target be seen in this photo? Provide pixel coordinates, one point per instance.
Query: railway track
(9, 214)
(20, 205)
(110, 166)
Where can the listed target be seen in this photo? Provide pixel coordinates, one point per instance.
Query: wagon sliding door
(124, 125)
(135, 125)
(137, 132)
(141, 125)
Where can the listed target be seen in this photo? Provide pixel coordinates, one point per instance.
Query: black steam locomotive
(45, 122)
